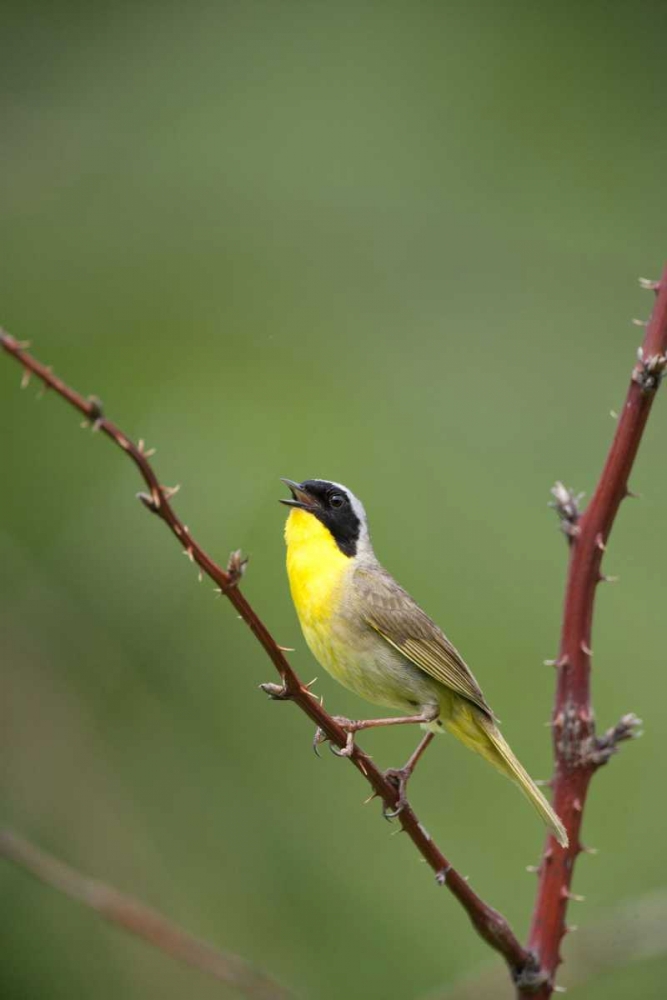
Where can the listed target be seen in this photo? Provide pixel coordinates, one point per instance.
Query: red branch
(578, 752)
(490, 924)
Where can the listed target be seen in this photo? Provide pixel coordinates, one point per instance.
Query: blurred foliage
(394, 245)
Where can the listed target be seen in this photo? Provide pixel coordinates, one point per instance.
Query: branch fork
(604, 747)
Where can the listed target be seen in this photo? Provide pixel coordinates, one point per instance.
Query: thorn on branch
(276, 692)
(236, 566)
(143, 450)
(648, 372)
(627, 728)
(149, 502)
(573, 897)
(96, 411)
(12, 343)
(170, 491)
(45, 385)
(95, 414)
(441, 876)
(649, 285)
(566, 504)
(562, 661)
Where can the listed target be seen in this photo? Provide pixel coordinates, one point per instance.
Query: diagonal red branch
(578, 753)
(490, 924)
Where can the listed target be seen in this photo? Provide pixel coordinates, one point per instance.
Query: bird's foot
(398, 777)
(350, 728)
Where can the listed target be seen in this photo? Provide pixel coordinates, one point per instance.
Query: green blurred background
(391, 244)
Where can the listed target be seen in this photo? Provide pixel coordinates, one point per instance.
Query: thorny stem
(141, 920)
(578, 753)
(490, 924)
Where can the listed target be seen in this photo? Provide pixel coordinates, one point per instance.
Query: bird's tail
(481, 734)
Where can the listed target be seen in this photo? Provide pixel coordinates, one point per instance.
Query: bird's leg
(352, 726)
(399, 776)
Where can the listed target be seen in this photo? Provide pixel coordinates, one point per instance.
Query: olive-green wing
(393, 614)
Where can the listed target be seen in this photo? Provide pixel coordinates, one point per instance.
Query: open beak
(300, 497)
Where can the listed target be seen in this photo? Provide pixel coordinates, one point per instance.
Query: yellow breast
(360, 660)
(315, 567)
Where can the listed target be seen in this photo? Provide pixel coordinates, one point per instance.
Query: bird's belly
(370, 667)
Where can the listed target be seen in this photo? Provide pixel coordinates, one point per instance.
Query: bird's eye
(336, 500)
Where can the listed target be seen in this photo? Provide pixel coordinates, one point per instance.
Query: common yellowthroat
(373, 638)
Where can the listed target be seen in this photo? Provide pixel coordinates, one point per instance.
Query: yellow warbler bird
(373, 638)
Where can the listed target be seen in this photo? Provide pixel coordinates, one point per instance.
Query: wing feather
(392, 613)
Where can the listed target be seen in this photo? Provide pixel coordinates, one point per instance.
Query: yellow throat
(316, 568)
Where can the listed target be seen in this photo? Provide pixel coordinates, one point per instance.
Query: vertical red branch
(578, 753)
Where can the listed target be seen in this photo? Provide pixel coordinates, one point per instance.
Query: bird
(373, 638)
